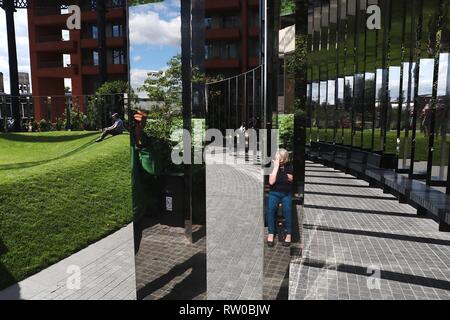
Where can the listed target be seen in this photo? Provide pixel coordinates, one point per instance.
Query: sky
(155, 36)
(23, 51)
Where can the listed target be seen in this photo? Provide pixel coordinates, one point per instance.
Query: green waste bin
(173, 200)
(151, 161)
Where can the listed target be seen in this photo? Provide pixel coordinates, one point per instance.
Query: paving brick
(356, 227)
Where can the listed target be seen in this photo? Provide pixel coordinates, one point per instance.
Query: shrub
(35, 126)
(44, 125)
(77, 119)
(59, 124)
(286, 130)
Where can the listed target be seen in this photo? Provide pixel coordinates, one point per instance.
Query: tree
(165, 86)
(108, 99)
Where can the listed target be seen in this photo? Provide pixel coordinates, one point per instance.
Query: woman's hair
(284, 155)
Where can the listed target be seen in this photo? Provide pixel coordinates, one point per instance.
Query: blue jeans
(273, 200)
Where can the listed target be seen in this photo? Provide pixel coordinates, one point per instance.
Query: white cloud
(150, 28)
(137, 58)
(23, 52)
(138, 77)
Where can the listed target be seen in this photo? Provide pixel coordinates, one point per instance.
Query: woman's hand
(276, 162)
(276, 166)
(140, 120)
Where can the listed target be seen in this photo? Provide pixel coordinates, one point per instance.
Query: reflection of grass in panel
(421, 153)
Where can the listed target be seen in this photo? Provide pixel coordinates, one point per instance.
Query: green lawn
(421, 153)
(59, 192)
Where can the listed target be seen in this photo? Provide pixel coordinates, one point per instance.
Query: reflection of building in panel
(286, 85)
(57, 54)
(24, 83)
(231, 36)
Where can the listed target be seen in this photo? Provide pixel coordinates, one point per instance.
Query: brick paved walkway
(107, 272)
(168, 266)
(352, 230)
(234, 229)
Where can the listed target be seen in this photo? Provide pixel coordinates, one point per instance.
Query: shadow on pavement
(187, 289)
(385, 275)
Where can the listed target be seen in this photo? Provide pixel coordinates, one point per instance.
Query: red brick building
(232, 36)
(47, 23)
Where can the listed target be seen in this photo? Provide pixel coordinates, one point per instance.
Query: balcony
(218, 63)
(112, 69)
(111, 15)
(222, 34)
(220, 5)
(111, 42)
(55, 71)
(56, 46)
(60, 20)
(253, 3)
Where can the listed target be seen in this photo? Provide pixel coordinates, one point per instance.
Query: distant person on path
(280, 181)
(115, 129)
(426, 119)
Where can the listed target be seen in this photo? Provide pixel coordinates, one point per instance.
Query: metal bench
(327, 152)
(341, 156)
(357, 162)
(403, 186)
(434, 202)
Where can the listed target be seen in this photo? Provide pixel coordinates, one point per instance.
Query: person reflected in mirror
(114, 130)
(280, 181)
(426, 119)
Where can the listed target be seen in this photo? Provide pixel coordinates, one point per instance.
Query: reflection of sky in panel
(369, 76)
(323, 92)
(331, 91)
(394, 83)
(341, 88)
(379, 83)
(426, 77)
(308, 88)
(349, 83)
(443, 74)
(406, 80)
(315, 92)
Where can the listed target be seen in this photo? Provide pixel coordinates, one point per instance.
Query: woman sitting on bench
(280, 181)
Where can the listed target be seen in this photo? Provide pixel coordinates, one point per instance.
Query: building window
(206, 51)
(230, 22)
(208, 23)
(222, 22)
(94, 32)
(222, 50)
(117, 30)
(253, 19)
(118, 56)
(253, 47)
(95, 58)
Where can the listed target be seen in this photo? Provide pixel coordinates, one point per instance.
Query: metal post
(236, 120)
(8, 6)
(416, 84)
(437, 50)
(187, 108)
